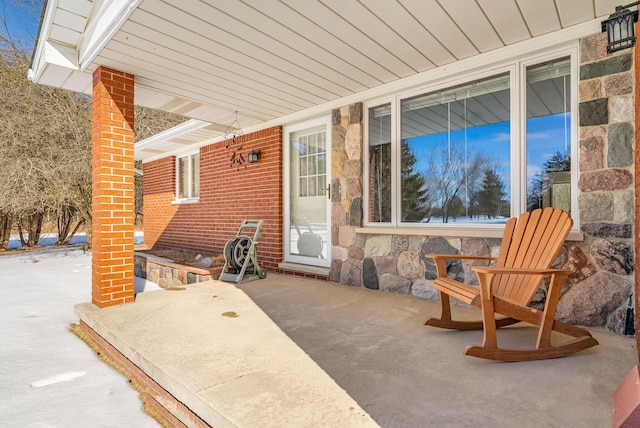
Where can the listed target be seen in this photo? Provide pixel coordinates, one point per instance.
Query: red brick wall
(637, 190)
(159, 192)
(113, 188)
(230, 193)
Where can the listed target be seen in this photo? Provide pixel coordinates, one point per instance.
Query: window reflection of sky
(546, 136)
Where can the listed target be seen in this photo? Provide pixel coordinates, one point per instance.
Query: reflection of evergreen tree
(491, 199)
(540, 183)
(558, 162)
(413, 184)
(381, 188)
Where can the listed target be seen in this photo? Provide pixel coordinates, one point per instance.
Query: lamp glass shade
(254, 156)
(620, 28)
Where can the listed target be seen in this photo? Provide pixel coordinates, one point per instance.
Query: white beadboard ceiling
(255, 61)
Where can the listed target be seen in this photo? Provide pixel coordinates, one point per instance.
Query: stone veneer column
(113, 187)
(601, 285)
(346, 194)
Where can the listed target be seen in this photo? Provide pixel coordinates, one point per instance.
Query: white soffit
(263, 61)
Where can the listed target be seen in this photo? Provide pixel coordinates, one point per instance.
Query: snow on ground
(52, 238)
(48, 376)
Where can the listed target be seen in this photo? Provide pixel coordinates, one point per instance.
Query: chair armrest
(525, 271)
(441, 265)
(458, 256)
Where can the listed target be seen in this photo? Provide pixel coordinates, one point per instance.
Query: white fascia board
(53, 64)
(106, 18)
(44, 51)
(175, 132)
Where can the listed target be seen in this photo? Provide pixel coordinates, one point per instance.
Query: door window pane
(309, 152)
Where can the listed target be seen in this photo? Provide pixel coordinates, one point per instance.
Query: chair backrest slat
(533, 241)
(507, 237)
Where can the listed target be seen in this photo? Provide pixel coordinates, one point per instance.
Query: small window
(188, 176)
(380, 164)
(549, 135)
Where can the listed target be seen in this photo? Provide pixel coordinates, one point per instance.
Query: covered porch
(287, 351)
(265, 65)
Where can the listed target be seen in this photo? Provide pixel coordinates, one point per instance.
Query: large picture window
(188, 176)
(477, 152)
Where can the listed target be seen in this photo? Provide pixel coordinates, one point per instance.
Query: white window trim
(190, 199)
(516, 67)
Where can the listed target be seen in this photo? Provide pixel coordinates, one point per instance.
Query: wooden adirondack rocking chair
(529, 246)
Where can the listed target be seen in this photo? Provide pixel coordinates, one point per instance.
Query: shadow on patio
(220, 350)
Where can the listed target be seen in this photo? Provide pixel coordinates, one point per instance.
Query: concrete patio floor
(291, 352)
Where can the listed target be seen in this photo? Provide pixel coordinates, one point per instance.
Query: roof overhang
(185, 136)
(270, 63)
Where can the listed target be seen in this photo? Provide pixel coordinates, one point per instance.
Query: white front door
(306, 197)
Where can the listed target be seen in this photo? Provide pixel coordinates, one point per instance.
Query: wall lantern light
(254, 156)
(620, 28)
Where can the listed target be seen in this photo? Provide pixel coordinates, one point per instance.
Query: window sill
(454, 233)
(185, 201)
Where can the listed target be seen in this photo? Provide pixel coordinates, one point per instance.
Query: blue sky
(22, 19)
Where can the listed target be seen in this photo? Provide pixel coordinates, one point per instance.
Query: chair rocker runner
(529, 246)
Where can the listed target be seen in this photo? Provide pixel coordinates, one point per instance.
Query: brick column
(113, 188)
(637, 191)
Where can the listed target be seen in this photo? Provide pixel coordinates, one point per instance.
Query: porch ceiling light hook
(620, 28)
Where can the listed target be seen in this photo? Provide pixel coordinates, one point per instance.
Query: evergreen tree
(558, 162)
(491, 199)
(541, 182)
(415, 198)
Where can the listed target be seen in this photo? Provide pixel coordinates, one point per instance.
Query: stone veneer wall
(346, 195)
(606, 184)
(598, 291)
(168, 274)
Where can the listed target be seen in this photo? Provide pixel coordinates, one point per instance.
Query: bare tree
(45, 141)
(454, 172)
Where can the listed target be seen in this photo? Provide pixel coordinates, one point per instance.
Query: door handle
(329, 191)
